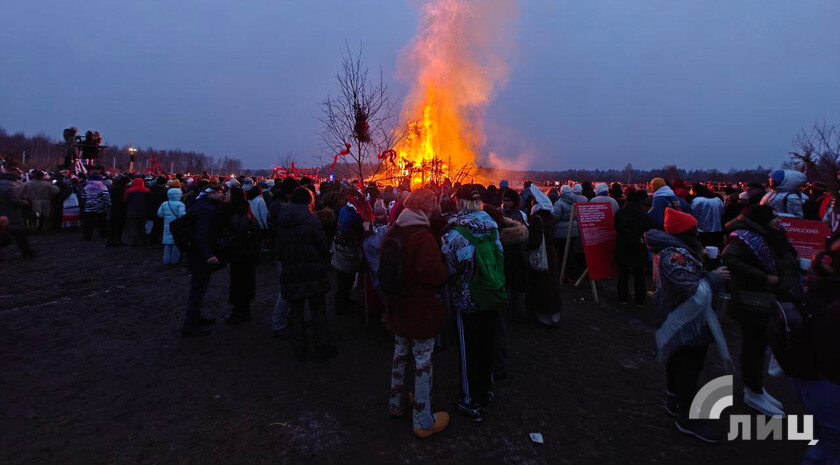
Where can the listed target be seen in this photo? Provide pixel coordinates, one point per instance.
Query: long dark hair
(239, 203)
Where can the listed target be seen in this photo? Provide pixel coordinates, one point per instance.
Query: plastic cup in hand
(712, 252)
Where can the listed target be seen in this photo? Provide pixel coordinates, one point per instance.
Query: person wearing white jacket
(785, 194)
(258, 207)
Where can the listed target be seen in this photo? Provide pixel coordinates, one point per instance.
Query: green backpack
(487, 285)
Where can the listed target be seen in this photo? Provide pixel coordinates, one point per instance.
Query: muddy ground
(95, 372)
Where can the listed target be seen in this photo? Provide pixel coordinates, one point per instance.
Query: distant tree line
(42, 153)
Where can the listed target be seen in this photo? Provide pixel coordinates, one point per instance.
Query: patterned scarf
(759, 247)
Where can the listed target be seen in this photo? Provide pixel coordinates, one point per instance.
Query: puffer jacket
(303, 251)
(171, 209)
(562, 213)
(786, 196)
(97, 197)
(418, 313)
(459, 255)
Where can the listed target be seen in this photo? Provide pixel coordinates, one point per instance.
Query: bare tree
(286, 158)
(818, 154)
(360, 114)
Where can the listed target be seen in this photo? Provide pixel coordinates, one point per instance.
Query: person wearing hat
(544, 294)
(137, 210)
(40, 192)
(415, 317)
(577, 190)
(602, 195)
(303, 252)
(785, 194)
(562, 213)
(765, 270)
(686, 321)
(202, 258)
(476, 324)
(664, 198)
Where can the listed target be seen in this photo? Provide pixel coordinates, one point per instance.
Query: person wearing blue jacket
(664, 198)
(171, 209)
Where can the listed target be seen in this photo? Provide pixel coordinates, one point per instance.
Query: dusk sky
(594, 84)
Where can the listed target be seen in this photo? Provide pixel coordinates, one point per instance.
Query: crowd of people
(457, 264)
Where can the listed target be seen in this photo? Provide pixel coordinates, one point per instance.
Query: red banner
(806, 236)
(598, 237)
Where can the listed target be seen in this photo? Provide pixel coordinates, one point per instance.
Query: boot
(441, 422)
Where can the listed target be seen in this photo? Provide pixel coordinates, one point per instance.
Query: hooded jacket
(751, 258)
(459, 255)
(137, 200)
(785, 197)
(562, 213)
(418, 313)
(664, 198)
(709, 213)
(169, 210)
(303, 251)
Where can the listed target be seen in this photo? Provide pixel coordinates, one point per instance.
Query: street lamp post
(131, 152)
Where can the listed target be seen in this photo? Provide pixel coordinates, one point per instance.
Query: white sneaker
(761, 404)
(772, 399)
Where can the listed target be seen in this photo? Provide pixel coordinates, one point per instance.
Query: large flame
(454, 64)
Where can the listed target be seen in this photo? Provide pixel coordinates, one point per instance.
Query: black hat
(468, 192)
(511, 195)
(301, 195)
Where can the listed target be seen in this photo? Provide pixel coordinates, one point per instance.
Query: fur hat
(511, 195)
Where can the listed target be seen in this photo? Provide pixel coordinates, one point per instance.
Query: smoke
(455, 65)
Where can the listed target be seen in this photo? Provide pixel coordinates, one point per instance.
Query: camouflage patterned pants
(422, 350)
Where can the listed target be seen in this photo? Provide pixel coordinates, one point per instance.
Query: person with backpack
(765, 271)
(202, 258)
(411, 273)
(473, 256)
(812, 362)
(686, 320)
(171, 209)
(303, 252)
(631, 222)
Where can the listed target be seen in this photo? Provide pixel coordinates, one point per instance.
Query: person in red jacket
(415, 317)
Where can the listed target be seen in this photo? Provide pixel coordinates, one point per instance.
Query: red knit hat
(677, 222)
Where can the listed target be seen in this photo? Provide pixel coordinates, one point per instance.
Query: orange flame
(455, 66)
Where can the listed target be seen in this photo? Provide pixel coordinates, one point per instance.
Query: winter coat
(117, 191)
(680, 273)
(459, 255)
(664, 198)
(159, 194)
(137, 200)
(631, 222)
(606, 199)
(562, 213)
(823, 301)
(260, 211)
(709, 213)
(303, 252)
(207, 224)
(418, 313)
(751, 258)
(10, 201)
(170, 210)
(514, 238)
(786, 197)
(347, 247)
(243, 238)
(97, 197)
(39, 193)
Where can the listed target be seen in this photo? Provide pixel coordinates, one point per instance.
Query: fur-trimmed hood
(513, 233)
